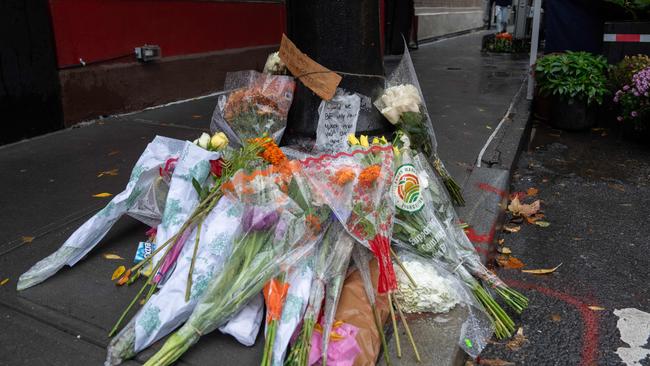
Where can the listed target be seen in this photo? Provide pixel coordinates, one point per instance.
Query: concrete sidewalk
(49, 182)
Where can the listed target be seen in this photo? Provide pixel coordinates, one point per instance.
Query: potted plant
(634, 101)
(628, 23)
(575, 83)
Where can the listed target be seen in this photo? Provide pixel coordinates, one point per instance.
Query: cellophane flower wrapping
(460, 245)
(300, 283)
(256, 104)
(193, 164)
(477, 329)
(167, 309)
(145, 174)
(356, 186)
(274, 234)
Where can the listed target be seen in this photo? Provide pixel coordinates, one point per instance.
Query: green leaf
(197, 187)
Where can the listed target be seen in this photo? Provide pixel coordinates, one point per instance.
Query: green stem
(188, 289)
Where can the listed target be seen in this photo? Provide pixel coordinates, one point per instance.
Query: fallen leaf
(532, 192)
(556, 317)
(501, 241)
(118, 272)
(197, 116)
(596, 308)
(4, 282)
(523, 209)
(542, 223)
(534, 218)
(114, 152)
(511, 228)
(520, 195)
(27, 239)
(124, 278)
(618, 187)
(517, 341)
(504, 250)
(509, 262)
(112, 256)
(102, 195)
(494, 362)
(112, 172)
(541, 271)
(577, 239)
(488, 127)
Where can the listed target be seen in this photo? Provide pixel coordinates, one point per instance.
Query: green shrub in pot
(573, 76)
(574, 82)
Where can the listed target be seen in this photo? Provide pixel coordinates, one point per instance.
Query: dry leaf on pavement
(541, 271)
(27, 239)
(596, 308)
(509, 262)
(523, 209)
(517, 341)
(532, 192)
(4, 282)
(112, 172)
(511, 228)
(118, 272)
(112, 256)
(542, 223)
(494, 362)
(556, 317)
(102, 195)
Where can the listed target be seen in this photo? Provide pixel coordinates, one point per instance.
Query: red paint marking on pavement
(488, 188)
(589, 354)
(484, 238)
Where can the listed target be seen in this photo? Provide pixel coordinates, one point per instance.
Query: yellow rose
(219, 141)
(363, 139)
(352, 140)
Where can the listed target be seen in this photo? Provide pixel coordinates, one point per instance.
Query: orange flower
(271, 152)
(313, 222)
(343, 176)
(369, 175)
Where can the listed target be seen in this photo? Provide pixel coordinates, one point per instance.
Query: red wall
(96, 30)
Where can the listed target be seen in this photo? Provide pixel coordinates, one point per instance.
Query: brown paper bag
(354, 308)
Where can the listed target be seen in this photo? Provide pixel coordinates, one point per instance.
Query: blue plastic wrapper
(144, 251)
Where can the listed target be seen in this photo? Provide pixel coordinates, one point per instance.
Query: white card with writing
(337, 119)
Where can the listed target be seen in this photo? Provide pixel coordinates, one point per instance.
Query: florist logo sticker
(406, 189)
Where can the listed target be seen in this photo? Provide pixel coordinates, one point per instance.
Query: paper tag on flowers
(337, 119)
(407, 189)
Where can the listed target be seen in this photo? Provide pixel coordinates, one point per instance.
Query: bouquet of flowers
(257, 104)
(333, 257)
(426, 222)
(634, 99)
(402, 104)
(275, 233)
(154, 165)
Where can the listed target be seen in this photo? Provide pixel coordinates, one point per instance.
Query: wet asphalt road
(595, 192)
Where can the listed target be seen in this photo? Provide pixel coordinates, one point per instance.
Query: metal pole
(341, 35)
(534, 45)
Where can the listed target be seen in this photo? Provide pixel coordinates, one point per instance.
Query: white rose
(274, 64)
(391, 114)
(204, 140)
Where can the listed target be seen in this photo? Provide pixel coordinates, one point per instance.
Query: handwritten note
(316, 77)
(338, 118)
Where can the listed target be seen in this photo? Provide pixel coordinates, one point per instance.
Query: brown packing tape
(354, 308)
(316, 77)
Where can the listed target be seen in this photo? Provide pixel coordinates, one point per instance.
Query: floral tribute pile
(323, 251)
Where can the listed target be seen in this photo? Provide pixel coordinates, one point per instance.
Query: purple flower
(259, 219)
(619, 118)
(616, 99)
(626, 87)
(634, 114)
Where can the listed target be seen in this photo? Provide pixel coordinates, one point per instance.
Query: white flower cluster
(218, 141)
(399, 99)
(274, 65)
(433, 294)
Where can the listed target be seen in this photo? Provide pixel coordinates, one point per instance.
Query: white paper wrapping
(86, 237)
(245, 325)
